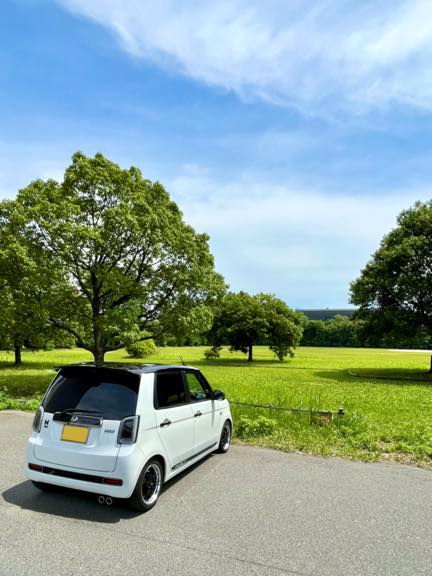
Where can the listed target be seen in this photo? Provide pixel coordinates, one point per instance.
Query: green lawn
(387, 396)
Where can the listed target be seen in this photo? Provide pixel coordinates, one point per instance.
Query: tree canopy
(243, 320)
(394, 290)
(122, 263)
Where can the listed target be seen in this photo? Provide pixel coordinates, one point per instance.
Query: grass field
(387, 396)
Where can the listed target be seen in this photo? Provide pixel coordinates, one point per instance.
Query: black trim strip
(77, 419)
(69, 474)
(193, 456)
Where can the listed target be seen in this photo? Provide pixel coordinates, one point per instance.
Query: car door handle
(165, 423)
(197, 414)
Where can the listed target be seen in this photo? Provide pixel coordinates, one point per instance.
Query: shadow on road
(76, 504)
(66, 503)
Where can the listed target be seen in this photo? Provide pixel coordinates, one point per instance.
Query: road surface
(250, 512)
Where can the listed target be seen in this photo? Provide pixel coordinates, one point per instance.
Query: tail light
(128, 430)
(37, 421)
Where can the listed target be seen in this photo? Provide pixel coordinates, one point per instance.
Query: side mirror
(218, 395)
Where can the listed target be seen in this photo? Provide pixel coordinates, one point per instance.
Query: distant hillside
(327, 313)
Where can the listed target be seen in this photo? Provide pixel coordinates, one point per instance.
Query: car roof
(128, 367)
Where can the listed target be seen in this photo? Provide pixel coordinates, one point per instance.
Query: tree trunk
(99, 355)
(250, 353)
(99, 348)
(99, 343)
(17, 349)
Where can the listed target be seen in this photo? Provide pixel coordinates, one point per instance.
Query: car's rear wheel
(225, 438)
(148, 487)
(43, 486)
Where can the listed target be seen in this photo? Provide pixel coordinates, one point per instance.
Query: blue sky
(292, 132)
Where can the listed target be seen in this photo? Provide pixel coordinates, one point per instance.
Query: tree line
(344, 331)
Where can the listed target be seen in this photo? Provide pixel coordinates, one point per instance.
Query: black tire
(43, 486)
(148, 487)
(225, 438)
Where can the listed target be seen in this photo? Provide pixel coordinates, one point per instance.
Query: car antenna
(182, 361)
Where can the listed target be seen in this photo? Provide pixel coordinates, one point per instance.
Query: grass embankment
(387, 396)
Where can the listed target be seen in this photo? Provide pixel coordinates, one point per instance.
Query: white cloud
(316, 55)
(302, 243)
(305, 245)
(239, 205)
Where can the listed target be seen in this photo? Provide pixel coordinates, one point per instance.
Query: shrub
(49, 345)
(281, 350)
(142, 349)
(213, 352)
(251, 427)
(8, 403)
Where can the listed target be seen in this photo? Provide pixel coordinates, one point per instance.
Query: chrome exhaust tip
(108, 501)
(101, 499)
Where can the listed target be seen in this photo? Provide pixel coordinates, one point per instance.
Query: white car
(121, 431)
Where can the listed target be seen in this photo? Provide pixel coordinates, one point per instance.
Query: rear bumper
(92, 482)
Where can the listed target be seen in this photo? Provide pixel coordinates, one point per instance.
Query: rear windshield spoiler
(107, 366)
(113, 374)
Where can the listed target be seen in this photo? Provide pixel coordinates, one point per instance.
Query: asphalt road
(250, 511)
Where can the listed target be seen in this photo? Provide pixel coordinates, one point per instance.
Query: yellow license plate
(78, 434)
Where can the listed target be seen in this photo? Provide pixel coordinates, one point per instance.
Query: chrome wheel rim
(151, 484)
(226, 437)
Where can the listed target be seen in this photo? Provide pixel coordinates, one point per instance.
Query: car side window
(170, 389)
(198, 390)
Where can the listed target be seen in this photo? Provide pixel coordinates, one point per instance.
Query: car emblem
(46, 423)
(74, 419)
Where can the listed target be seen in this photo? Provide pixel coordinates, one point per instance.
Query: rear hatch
(83, 410)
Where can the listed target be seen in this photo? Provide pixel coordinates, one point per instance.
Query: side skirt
(193, 457)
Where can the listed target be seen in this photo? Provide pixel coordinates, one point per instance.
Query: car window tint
(112, 394)
(197, 390)
(170, 389)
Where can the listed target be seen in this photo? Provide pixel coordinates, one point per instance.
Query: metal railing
(327, 415)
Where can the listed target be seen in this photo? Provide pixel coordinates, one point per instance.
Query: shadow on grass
(27, 365)
(236, 363)
(402, 376)
(24, 383)
(33, 378)
(79, 505)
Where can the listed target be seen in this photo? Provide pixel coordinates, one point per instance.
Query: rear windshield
(111, 394)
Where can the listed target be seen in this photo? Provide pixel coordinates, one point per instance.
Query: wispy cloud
(305, 244)
(319, 56)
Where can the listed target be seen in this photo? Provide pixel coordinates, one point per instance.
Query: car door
(207, 419)
(174, 418)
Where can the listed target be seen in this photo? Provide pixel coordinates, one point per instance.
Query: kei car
(121, 431)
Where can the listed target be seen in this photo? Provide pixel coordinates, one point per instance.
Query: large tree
(243, 320)
(394, 290)
(131, 267)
